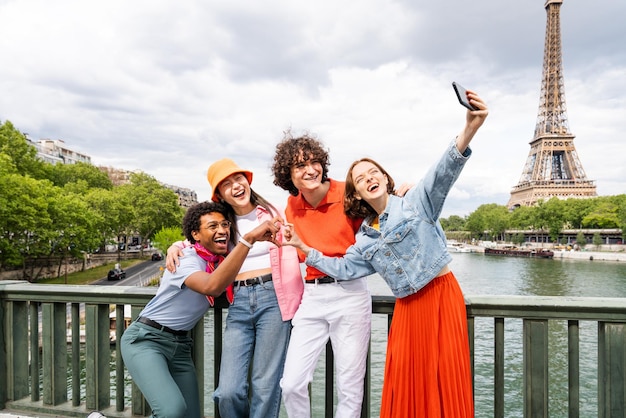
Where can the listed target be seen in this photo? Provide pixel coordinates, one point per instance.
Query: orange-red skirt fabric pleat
(427, 370)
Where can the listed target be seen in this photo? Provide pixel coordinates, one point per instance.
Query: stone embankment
(611, 253)
(591, 255)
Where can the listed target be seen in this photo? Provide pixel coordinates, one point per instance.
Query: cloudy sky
(167, 87)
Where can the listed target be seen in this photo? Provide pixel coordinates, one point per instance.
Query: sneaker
(96, 414)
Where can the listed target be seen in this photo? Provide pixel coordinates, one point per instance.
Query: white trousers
(340, 311)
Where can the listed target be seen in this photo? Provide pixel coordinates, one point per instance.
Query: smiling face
(214, 233)
(306, 175)
(370, 183)
(235, 190)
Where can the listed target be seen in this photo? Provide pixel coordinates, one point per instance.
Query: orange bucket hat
(221, 169)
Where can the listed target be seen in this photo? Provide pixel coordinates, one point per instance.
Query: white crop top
(259, 256)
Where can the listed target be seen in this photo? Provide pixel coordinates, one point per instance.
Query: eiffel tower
(552, 168)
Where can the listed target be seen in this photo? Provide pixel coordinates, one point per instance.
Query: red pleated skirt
(427, 370)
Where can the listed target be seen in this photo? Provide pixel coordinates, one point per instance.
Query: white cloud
(168, 87)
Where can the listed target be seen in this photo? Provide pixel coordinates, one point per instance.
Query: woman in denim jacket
(427, 370)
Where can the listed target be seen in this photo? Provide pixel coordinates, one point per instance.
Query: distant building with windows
(117, 176)
(54, 151)
(186, 197)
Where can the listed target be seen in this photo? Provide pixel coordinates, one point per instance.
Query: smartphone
(461, 94)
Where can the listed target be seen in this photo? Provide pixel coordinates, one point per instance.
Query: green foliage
(166, 237)
(491, 219)
(523, 218)
(574, 210)
(519, 238)
(476, 223)
(597, 239)
(552, 217)
(604, 215)
(110, 214)
(580, 239)
(153, 206)
(25, 224)
(23, 155)
(453, 223)
(74, 224)
(67, 210)
(66, 175)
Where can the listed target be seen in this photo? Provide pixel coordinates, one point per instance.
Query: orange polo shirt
(325, 228)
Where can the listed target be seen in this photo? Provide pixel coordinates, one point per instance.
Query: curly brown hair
(191, 221)
(291, 151)
(359, 208)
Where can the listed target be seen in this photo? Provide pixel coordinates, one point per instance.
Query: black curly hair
(191, 220)
(291, 151)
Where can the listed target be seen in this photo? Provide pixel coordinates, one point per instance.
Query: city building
(54, 151)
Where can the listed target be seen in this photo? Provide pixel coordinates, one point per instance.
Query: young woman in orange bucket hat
(267, 292)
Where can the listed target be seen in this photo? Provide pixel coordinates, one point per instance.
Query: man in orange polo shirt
(337, 310)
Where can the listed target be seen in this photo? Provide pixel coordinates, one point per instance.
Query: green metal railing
(41, 324)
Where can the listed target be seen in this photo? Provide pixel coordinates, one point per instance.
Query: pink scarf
(212, 261)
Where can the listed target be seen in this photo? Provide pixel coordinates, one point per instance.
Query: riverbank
(591, 255)
(610, 255)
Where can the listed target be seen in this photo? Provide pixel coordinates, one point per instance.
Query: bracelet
(244, 242)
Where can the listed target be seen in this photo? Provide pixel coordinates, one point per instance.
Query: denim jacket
(410, 248)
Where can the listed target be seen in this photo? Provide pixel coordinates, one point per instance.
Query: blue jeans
(161, 365)
(255, 344)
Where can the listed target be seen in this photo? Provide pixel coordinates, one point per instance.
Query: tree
(476, 223)
(620, 201)
(80, 173)
(523, 217)
(497, 219)
(574, 210)
(597, 240)
(151, 205)
(110, 216)
(519, 238)
(551, 215)
(580, 239)
(165, 237)
(73, 224)
(604, 215)
(453, 223)
(24, 156)
(24, 219)
(491, 218)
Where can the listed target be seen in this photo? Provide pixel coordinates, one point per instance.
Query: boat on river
(519, 252)
(458, 247)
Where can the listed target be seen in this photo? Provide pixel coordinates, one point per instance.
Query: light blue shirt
(175, 305)
(410, 248)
